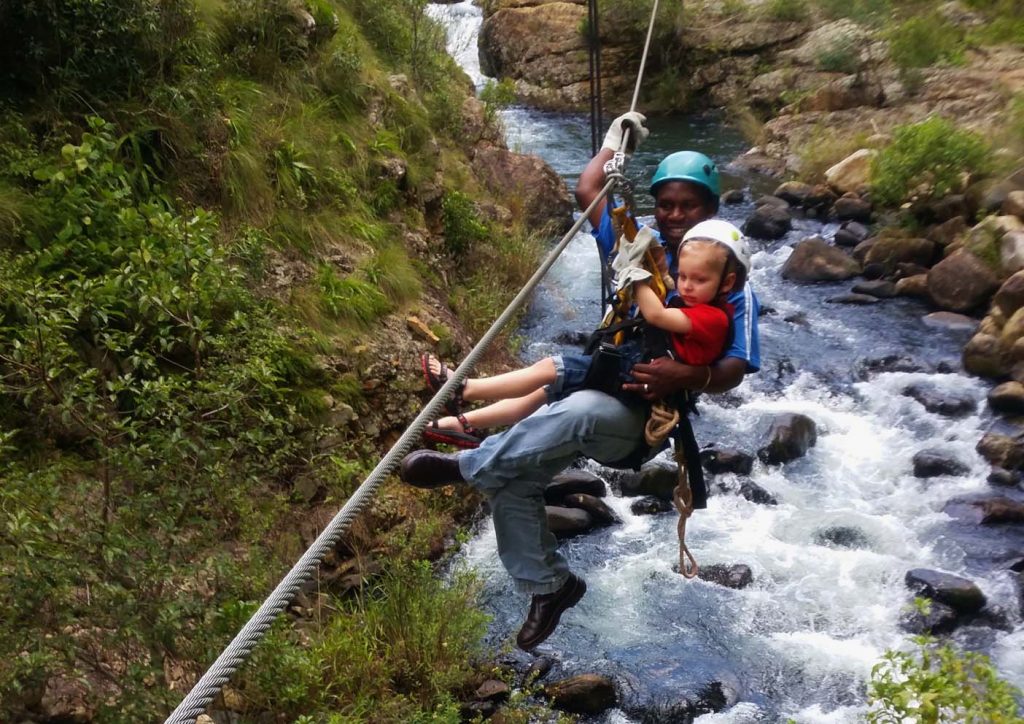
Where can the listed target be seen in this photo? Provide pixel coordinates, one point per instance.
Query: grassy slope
(162, 390)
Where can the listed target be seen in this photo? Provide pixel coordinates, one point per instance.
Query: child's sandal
(434, 383)
(468, 438)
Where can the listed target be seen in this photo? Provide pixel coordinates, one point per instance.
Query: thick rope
(662, 421)
(682, 498)
(210, 684)
(643, 58)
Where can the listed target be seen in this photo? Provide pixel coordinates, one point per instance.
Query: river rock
(941, 403)
(733, 196)
(998, 509)
(582, 694)
(790, 437)
(842, 536)
(984, 356)
(853, 172)
(1007, 398)
(933, 463)
(726, 460)
(567, 522)
(493, 690)
(794, 193)
(654, 478)
(573, 481)
(915, 286)
(650, 505)
(814, 260)
(961, 282)
(851, 233)
(1013, 205)
(876, 288)
(850, 207)
(1010, 296)
(889, 251)
(736, 576)
(950, 320)
(1003, 478)
(947, 232)
(962, 595)
(1011, 252)
(768, 222)
(743, 487)
(852, 298)
(538, 189)
(769, 200)
(599, 510)
(1002, 450)
(940, 619)
(948, 208)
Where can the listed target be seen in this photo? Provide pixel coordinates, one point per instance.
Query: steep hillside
(227, 228)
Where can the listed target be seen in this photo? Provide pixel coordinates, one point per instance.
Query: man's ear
(728, 282)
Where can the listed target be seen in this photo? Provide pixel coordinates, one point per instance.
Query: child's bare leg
(502, 412)
(508, 385)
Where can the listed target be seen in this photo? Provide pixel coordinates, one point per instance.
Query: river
(799, 642)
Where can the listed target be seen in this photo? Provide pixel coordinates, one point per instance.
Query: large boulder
(853, 172)
(573, 481)
(961, 282)
(599, 511)
(814, 260)
(1010, 296)
(984, 356)
(726, 460)
(790, 437)
(567, 522)
(540, 191)
(934, 463)
(1002, 451)
(892, 250)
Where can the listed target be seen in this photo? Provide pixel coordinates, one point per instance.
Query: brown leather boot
(545, 611)
(429, 469)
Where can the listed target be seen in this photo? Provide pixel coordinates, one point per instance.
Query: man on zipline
(512, 468)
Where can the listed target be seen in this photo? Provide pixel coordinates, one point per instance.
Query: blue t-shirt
(746, 344)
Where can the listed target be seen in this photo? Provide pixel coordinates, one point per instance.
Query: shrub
(934, 153)
(925, 40)
(842, 57)
(787, 10)
(936, 683)
(462, 226)
(499, 94)
(868, 12)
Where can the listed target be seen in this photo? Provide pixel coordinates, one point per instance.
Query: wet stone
(890, 363)
(841, 536)
(852, 298)
(940, 619)
(653, 479)
(733, 196)
(933, 463)
(790, 437)
(769, 222)
(1007, 398)
(650, 505)
(583, 694)
(876, 288)
(598, 509)
(1003, 478)
(567, 522)
(999, 509)
(959, 593)
(736, 576)
(1002, 450)
(951, 321)
(745, 488)
(941, 403)
(726, 460)
(574, 481)
(492, 690)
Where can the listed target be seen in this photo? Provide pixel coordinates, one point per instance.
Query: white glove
(632, 122)
(631, 253)
(631, 274)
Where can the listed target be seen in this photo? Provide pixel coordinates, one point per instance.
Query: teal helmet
(688, 166)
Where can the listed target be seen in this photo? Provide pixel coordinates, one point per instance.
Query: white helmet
(724, 233)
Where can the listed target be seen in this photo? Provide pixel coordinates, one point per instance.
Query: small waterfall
(801, 640)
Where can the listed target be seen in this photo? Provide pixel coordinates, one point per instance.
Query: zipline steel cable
(210, 683)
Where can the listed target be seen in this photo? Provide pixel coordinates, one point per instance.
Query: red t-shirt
(704, 342)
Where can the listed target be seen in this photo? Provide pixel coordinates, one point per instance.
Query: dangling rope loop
(682, 498)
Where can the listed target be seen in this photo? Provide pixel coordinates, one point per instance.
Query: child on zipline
(713, 256)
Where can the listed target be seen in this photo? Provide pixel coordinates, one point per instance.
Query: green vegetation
(925, 40)
(499, 94)
(843, 57)
(936, 683)
(195, 217)
(866, 12)
(787, 10)
(929, 157)
(823, 148)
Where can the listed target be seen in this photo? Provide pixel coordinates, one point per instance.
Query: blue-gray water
(801, 640)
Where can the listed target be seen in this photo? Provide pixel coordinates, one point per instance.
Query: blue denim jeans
(513, 467)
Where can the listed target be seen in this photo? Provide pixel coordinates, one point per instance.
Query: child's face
(700, 273)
